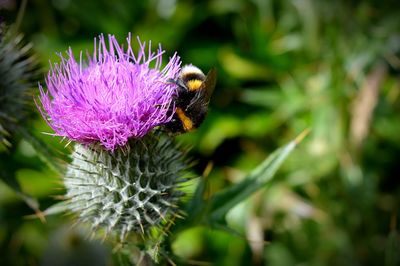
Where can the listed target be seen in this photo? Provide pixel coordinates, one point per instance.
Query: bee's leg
(181, 88)
(197, 98)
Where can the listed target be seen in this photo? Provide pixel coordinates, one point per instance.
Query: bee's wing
(209, 83)
(203, 95)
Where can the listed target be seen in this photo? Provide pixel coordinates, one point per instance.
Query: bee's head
(191, 70)
(192, 77)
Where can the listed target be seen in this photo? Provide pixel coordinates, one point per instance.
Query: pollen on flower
(112, 96)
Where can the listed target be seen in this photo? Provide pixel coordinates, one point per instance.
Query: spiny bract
(18, 70)
(131, 189)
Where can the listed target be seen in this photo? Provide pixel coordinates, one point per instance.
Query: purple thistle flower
(115, 96)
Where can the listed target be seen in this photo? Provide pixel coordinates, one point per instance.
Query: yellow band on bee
(186, 122)
(194, 84)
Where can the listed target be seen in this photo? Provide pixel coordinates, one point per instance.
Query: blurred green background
(283, 66)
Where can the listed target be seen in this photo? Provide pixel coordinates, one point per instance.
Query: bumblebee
(193, 95)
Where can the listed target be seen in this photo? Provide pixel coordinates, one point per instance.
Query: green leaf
(223, 201)
(8, 178)
(195, 207)
(392, 256)
(44, 151)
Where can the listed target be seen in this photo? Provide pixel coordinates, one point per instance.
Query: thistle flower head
(123, 191)
(18, 70)
(114, 96)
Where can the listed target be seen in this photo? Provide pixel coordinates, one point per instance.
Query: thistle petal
(114, 96)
